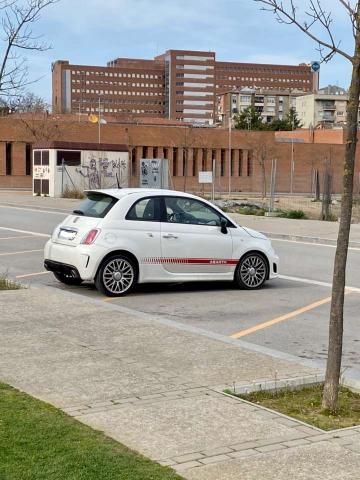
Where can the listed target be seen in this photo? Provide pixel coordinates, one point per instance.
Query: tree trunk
(333, 366)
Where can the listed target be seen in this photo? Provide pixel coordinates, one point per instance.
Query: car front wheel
(252, 271)
(117, 275)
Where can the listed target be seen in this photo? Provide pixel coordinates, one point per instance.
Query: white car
(120, 237)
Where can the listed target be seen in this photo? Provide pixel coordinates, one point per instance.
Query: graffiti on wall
(103, 169)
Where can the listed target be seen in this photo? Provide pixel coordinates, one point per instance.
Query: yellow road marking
(18, 253)
(31, 274)
(282, 318)
(109, 299)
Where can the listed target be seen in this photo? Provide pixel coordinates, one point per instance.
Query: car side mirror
(223, 224)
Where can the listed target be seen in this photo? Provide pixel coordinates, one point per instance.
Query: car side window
(190, 211)
(146, 210)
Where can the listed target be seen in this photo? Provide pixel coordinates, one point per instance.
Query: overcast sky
(91, 32)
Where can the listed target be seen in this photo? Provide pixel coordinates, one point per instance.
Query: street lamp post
(99, 122)
(292, 166)
(229, 193)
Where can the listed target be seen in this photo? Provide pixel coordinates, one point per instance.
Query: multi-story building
(322, 110)
(272, 104)
(179, 85)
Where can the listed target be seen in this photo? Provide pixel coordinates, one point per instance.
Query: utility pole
(99, 124)
(229, 156)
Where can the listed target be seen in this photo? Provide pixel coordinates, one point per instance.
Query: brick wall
(189, 151)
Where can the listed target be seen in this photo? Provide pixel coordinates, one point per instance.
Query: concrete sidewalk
(156, 386)
(274, 227)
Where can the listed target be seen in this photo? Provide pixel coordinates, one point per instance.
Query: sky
(92, 32)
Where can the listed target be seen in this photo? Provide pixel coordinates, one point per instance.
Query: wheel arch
(259, 252)
(126, 253)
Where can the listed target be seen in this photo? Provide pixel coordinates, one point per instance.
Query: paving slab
(155, 385)
(323, 461)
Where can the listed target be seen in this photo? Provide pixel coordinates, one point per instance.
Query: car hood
(255, 233)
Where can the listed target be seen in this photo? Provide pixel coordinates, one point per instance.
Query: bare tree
(318, 25)
(263, 153)
(17, 18)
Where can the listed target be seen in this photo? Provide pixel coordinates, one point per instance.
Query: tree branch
(317, 15)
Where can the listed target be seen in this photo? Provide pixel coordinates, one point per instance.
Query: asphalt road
(290, 314)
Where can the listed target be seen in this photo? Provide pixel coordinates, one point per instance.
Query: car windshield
(95, 205)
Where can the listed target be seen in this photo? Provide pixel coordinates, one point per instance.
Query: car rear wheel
(117, 275)
(252, 271)
(67, 279)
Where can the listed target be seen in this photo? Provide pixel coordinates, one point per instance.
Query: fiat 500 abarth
(120, 237)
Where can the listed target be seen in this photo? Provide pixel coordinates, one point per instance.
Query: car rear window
(95, 205)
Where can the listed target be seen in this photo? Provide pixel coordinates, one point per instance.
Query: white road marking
(315, 282)
(36, 210)
(31, 274)
(15, 238)
(36, 234)
(311, 243)
(19, 253)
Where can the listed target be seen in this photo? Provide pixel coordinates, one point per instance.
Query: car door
(192, 241)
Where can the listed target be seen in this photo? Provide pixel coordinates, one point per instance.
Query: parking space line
(18, 237)
(282, 318)
(19, 253)
(31, 274)
(64, 213)
(36, 234)
(309, 281)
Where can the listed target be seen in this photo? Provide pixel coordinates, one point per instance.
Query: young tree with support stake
(319, 27)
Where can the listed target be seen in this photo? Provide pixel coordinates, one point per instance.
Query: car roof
(149, 192)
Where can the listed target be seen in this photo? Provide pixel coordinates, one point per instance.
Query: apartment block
(180, 85)
(272, 104)
(322, 110)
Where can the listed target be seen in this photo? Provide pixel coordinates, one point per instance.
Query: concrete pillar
(18, 155)
(180, 163)
(189, 162)
(235, 172)
(2, 158)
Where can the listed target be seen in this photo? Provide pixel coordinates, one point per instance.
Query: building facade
(272, 104)
(322, 110)
(179, 85)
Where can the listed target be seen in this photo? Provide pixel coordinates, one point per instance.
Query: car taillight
(90, 237)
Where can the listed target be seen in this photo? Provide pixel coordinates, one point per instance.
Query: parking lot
(290, 314)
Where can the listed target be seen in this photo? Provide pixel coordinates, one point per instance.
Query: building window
(8, 158)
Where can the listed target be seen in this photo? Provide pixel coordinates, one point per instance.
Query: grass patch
(73, 193)
(6, 284)
(38, 441)
(305, 405)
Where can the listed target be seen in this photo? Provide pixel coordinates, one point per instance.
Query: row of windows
(121, 110)
(129, 84)
(117, 92)
(9, 159)
(255, 79)
(260, 70)
(95, 101)
(117, 74)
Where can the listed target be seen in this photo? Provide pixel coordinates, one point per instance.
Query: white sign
(205, 177)
(41, 172)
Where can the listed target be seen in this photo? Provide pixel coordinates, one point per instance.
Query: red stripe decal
(192, 261)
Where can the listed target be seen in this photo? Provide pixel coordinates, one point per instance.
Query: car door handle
(169, 235)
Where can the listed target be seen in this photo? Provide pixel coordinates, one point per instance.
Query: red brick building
(179, 85)
(188, 149)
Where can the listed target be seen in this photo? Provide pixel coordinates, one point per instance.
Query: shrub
(296, 214)
(73, 193)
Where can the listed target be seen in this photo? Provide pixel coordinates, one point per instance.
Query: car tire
(252, 271)
(67, 279)
(116, 276)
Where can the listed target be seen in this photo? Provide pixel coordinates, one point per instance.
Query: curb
(303, 238)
